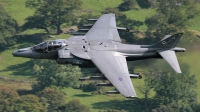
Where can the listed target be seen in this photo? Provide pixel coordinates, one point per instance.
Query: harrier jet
(101, 47)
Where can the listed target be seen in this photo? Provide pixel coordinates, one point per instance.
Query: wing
(114, 67)
(104, 29)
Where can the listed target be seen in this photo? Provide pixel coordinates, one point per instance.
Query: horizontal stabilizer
(171, 59)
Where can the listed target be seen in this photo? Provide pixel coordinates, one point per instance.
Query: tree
(127, 5)
(158, 26)
(52, 98)
(49, 73)
(8, 28)
(91, 87)
(37, 21)
(8, 98)
(75, 106)
(172, 16)
(51, 13)
(145, 91)
(84, 19)
(175, 89)
(29, 103)
(149, 3)
(166, 108)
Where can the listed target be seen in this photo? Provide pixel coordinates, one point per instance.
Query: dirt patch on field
(197, 47)
(1, 57)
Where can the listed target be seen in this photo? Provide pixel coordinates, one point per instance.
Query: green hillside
(21, 68)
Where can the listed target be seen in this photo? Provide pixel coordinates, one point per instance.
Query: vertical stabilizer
(166, 50)
(171, 59)
(169, 41)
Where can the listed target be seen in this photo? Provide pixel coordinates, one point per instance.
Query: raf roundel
(120, 79)
(163, 42)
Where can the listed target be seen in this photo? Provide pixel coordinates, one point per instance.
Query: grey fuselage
(78, 51)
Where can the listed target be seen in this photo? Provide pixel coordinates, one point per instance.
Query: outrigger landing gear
(139, 77)
(135, 75)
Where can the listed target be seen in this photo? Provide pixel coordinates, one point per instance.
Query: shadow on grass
(23, 69)
(83, 95)
(129, 105)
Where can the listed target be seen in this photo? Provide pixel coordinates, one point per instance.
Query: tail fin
(169, 41)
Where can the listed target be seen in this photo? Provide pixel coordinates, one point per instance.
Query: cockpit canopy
(50, 45)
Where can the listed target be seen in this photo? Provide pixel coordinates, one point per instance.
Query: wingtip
(177, 69)
(178, 72)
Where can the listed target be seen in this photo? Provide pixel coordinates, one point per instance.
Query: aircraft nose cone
(14, 53)
(22, 52)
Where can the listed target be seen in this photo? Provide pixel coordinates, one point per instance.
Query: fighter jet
(101, 47)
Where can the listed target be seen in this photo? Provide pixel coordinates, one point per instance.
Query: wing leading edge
(115, 69)
(104, 29)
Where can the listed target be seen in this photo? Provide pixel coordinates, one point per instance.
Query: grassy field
(100, 102)
(21, 68)
(17, 9)
(99, 5)
(14, 67)
(195, 22)
(141, 15)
